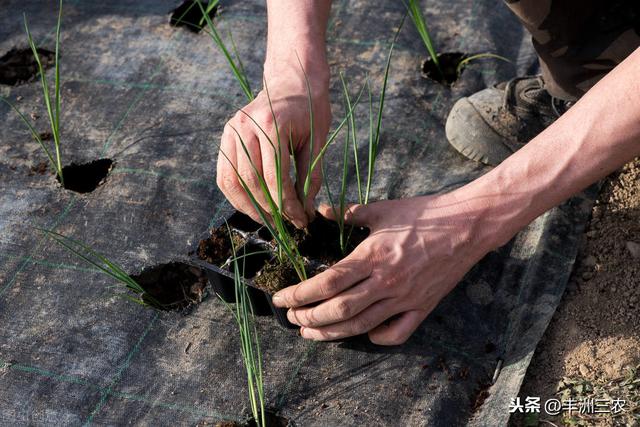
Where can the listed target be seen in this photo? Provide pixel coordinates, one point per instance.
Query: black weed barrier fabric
(154, 99)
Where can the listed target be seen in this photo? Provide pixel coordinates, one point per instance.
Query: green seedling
(375, 128)
(463, 63)
(274, 219)
(350, 135)
(107, 267)
(413, 8)
(207, 11)
(249, 339)
(52, 105)
(232, 57)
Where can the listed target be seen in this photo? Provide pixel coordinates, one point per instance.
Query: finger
(227, 177)
(339, 277)
(398, 330)
(342, 307)
(249, 161)
(291, 205)
(358, 215)
(360, 324)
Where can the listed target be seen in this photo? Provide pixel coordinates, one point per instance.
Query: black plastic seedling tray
(221, 276)
(253, 238)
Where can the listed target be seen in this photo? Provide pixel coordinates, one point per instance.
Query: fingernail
(277, 300)
(302, 331)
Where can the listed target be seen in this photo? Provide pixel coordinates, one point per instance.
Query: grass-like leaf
(53, 106)
(374, 131)
(232, 57)
(468, 59)
(413, 7)
(107, 267)
(249, 338)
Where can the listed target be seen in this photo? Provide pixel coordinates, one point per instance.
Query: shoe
(494, 123)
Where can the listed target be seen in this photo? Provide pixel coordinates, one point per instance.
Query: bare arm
(296, 36)
(595, 137)
(420, 248)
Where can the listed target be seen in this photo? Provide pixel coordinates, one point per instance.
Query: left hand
(418, 250)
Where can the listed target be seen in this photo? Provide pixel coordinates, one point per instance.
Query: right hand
(289, 99)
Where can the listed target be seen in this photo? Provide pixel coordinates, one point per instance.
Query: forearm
(297, 29)
(594, 138)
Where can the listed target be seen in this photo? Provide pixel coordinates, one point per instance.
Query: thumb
(358, 215)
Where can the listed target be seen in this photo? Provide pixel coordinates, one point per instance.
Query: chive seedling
(232, 57)
(207, 11)
(107, 267)
(349, 136)
(249, 339)
(274, 220)
(413, 8)
(468, 59)
(52, 106)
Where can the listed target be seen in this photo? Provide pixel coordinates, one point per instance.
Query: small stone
(589, 261)
(587, 275)
(633, 248)
(584, 370)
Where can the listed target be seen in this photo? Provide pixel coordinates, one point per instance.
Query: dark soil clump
(448, 73)
(190, 16)
(86, 177)
(18, 66)
(216, 249)
(275, 276)
(175, 285)
(40, 168)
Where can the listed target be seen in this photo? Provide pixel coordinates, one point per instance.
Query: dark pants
(579, 41)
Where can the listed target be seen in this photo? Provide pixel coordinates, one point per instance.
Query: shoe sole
(472, 137)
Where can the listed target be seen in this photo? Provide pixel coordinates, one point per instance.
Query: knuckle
(343, 309)
(330, 286)
(226, 182)
(360, 325)
(270, 177)
(264, 118)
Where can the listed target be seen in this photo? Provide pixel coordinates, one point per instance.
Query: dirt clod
(216, 249)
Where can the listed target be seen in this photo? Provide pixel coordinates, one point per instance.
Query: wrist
(287, 64)
(492, 215)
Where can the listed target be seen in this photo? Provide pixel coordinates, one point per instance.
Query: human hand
(258, 127)
(418, 250)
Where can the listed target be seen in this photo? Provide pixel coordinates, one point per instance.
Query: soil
(216, 249)
(40, 168)
(86, 177)
(447, 75)
(593, 341)
(322, 240)
(271, 420)
(175, 285)
(189, 15)
(18, 66)
(275, 276)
